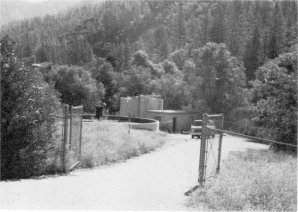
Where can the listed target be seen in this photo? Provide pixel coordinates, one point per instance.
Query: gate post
(65, 137)
(70, 126)
(81, 129)
(202, 165)
(220, 144)
(174, 124)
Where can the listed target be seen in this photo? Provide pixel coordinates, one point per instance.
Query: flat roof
(171, 111)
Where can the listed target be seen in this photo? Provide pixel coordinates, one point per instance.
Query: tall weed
(254, 180)
(109, 141)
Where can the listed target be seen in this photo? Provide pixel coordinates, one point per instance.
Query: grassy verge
(109, 141)
(254, 180)
(106, 142)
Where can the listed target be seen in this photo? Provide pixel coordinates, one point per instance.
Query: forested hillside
(198, 55)
(16, 10)
(253, 31)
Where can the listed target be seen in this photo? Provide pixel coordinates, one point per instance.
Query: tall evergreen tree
(253, 53)
(278, 33)
(218, 28)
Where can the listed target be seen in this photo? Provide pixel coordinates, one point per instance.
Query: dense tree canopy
(217, 80)
(114, 30)
(197, 55)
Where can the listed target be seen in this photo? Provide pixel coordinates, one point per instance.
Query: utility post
(202, 165)
(220, 144)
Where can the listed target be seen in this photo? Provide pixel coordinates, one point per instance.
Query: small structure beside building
(151, 107)
(137, 106)
(174, 120)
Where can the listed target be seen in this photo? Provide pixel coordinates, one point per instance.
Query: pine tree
(205, 24)
(181, 25)
(127, 54)
(218, 29)
(278, 33)
(252, 56)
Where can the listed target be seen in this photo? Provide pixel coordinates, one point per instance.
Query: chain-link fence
(75, 134)
(211, 145)
(68, 137)
(210, 150)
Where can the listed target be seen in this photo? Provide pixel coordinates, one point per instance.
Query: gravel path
(155, 181)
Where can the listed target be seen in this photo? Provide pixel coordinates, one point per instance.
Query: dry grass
(105, 142)
(255, 180)
(109, 141)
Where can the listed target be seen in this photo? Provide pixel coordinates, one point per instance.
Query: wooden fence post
(202, 165)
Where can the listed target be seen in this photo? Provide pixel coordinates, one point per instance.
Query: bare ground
(155, 181)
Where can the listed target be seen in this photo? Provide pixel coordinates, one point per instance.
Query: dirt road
(155, 181)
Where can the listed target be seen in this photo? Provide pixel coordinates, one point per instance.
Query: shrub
(275, 97)
(27, 106)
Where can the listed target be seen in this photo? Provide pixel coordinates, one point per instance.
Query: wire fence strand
(252, 137)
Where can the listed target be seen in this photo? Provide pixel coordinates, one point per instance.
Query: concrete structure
(174, 120)
(154, 126)
(152, 108)
(137, 122)
(137, 106)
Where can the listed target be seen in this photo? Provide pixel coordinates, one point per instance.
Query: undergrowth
(109, 141)
(252, 180)
(105, 142)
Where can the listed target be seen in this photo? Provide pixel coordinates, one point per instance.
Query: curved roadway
(155, 181)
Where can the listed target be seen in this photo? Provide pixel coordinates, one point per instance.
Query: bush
(255, 180)
(75, 85)
(275, 97)
(27, 124)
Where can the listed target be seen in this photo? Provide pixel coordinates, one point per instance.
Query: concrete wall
(183, 120)
(137, 123)
(138, 105)
(146, 126)
(124, 106)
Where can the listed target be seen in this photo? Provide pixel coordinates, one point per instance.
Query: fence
(69, 136)
(208, 155)
(209, 163)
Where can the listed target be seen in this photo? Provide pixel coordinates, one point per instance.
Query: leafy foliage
(218, 79)
(27, 108)
(138, 80)
(189, 52)
(114, 30)
(77, 87)
(105, 75)
(275, 96)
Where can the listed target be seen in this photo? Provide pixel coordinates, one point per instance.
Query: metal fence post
(0, 125)
(65, 138)
(220, 144)
(203, 150)
(70, 126)
(81, 129)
